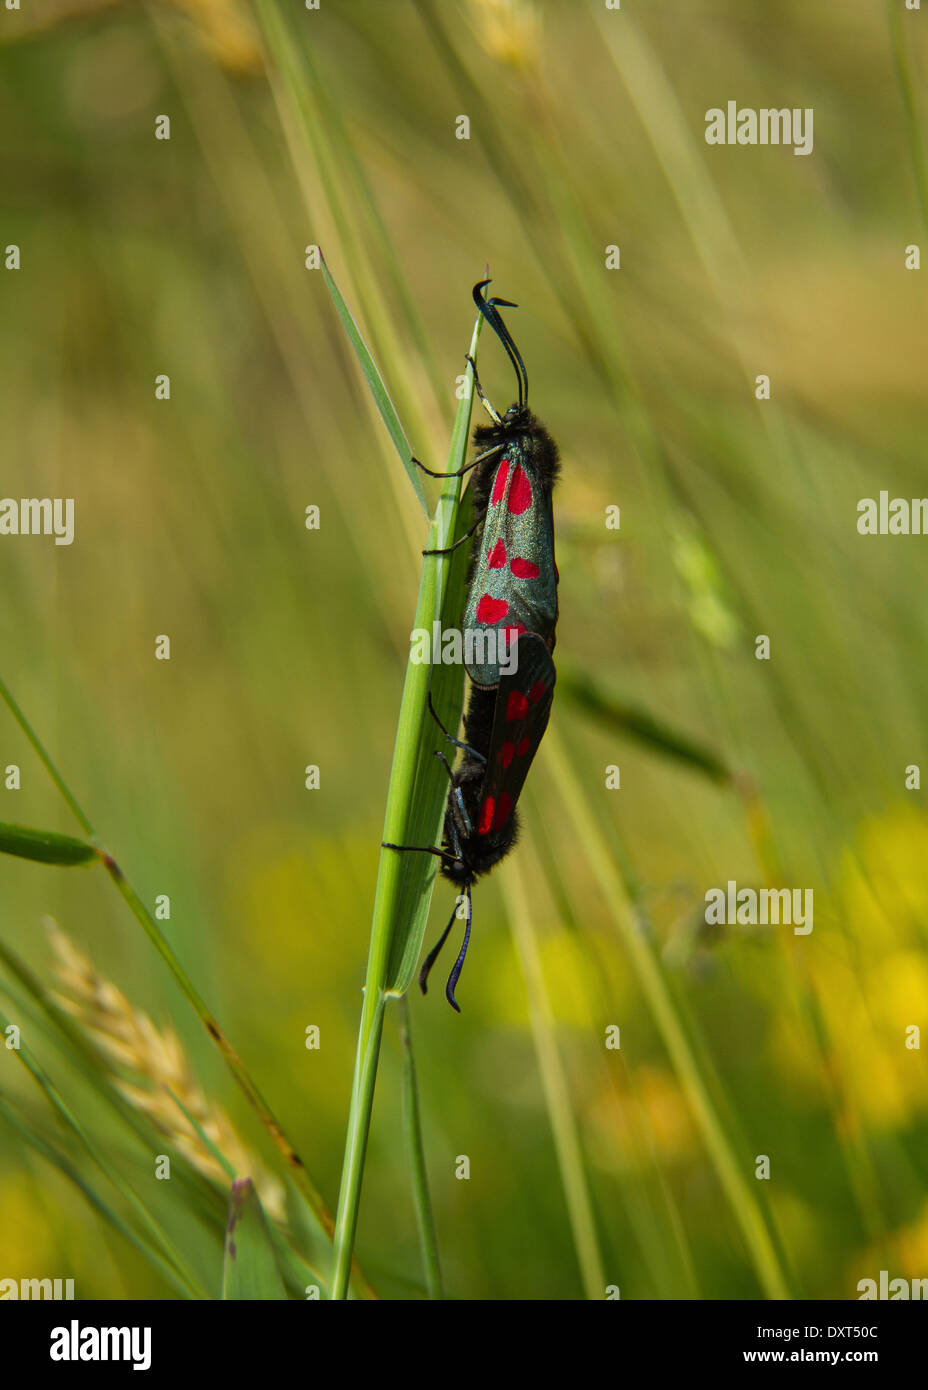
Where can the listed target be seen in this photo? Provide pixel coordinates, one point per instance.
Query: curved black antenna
(493, 317)
(459, 963)
(433, 954)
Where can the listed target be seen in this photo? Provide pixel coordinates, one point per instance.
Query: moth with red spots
(502, 731)
(512, 587)
(513, 579)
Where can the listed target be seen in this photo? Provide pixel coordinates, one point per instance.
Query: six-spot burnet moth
(512, 586)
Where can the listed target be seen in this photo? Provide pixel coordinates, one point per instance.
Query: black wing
(523, 703)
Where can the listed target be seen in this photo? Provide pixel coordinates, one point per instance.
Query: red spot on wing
(497, 557)
(536, 692)
(490, 610)
(503, 811)
(486, 816)
(513, 633)
(524, 745)
(516, 705)
(524, 569)
(520, 493)
(499, 487)
(506, 754)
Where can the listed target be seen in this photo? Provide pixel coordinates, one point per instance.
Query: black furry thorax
(522, 439)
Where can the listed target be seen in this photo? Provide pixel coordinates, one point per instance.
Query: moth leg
(416, 849)
(458, 796)
(446, 550)
(481, 395)
(441, 757)
(458, 472)
(465, 747)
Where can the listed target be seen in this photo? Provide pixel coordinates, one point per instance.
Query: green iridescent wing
(514, 588)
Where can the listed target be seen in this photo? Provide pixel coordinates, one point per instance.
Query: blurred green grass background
(288, 646)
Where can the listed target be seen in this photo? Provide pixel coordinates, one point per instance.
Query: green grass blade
(418, 782)
(295, 1165)
(203, 1137)
(296, 1273)
(415, 801)
(639, 724)
(45, 846)
(328, 169)
(651, 980)
(249, 1267)
(294, 1270)
(555, 1084)
(39, 749)
(58, 1160)
(348, 166)
(412, 1126)
(376, 383)
(58, 1103)
(431, 784)
(908, 91)
(73, 1042)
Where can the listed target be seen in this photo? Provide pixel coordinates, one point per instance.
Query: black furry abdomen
(479, 853)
